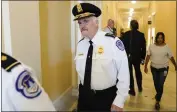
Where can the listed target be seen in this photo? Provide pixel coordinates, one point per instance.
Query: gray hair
(95, 19)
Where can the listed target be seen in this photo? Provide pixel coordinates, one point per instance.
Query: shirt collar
(110, 28)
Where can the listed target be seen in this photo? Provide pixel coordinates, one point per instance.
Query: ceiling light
(131, 9)
(80, 1)
(130, 13)
(128, 24)
(149, 16)
(133, 2)
(153, 13)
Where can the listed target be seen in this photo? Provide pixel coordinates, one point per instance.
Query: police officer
(100, 61)
(20, 89)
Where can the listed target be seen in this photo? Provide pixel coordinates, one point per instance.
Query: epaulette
(110, 35)
(81, 40)
(8, 62)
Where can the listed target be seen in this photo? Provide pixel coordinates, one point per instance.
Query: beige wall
(55, 46)
(43, 15)
(6, 33)
(25, 36)
(105, 15)
(143, 24)
(2, 40)
(165, 21)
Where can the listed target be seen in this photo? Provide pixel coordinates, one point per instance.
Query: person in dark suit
(135, 46)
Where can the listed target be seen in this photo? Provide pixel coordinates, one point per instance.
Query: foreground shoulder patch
(26, 85)
(110, 35)
(120, 45)
(8, 62)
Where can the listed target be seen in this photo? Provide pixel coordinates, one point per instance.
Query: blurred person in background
(159, 54)
(135, 46)
(110, 27)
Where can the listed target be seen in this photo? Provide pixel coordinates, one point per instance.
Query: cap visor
(83, 17)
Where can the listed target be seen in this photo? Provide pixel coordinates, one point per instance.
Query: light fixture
(153, 34)
(130, 13)
(149, 16)
(128, 24)
(80, 1)
(129, 19)
(149, 37)
(131, 9)
(133, 2)
(153, 13)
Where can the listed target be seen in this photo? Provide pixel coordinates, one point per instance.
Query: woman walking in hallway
(159, 53)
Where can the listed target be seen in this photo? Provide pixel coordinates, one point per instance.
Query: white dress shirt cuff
(119, 101)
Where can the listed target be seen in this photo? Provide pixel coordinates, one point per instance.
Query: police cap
(83, 10)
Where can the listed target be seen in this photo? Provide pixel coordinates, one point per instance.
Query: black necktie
(88, 67)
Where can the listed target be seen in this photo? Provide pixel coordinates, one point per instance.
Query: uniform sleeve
(26, 93)
(78, 81)
(169, 52)
(123, 73)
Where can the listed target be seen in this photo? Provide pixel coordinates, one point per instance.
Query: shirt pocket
(103, 64)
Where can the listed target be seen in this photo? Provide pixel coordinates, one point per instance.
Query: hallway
(145, 101)
(43, 35)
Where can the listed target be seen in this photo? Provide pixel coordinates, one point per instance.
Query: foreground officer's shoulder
(8, 62)
(109, 35)
(81, 43)
(119, 44)
(81, 40)
(24, 84)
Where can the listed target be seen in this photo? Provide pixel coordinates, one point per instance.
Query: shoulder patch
(109, 35)
(8, 62)
(27, 86)
(120, 45)
(81, 40)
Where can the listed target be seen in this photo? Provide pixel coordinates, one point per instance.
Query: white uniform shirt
(22, 92)
(108, 30)
(109, 63)
(159, 55)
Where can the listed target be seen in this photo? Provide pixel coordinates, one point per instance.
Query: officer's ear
(97, 22)
(96, 19)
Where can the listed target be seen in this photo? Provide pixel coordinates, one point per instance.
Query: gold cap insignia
(100, 50)
(79, 8)
(3, 58)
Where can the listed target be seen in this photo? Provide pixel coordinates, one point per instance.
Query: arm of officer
(26, 94)
(123, 73)
(75, 59)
